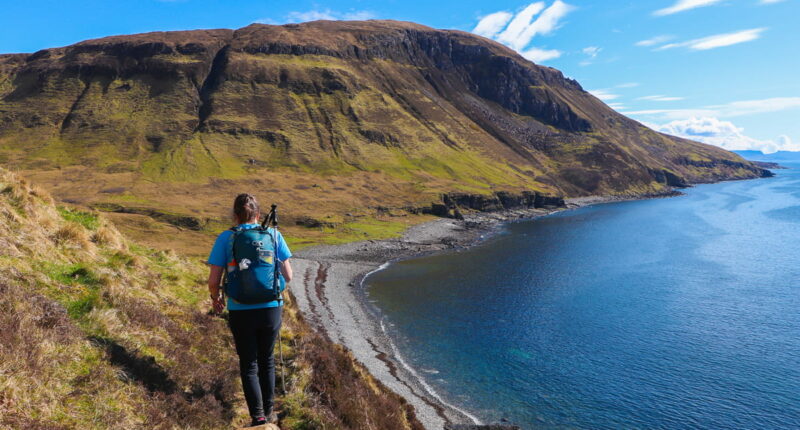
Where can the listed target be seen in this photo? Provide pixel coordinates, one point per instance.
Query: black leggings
(255, 332)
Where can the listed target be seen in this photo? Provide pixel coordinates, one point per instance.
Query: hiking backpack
(253, 274)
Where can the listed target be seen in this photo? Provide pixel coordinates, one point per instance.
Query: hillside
(344, 122)
(97, 332)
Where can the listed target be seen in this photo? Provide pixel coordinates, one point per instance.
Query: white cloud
(616, 106)
(727, 39)
(522, 29)
(727, 110)
(786, 144)
(311, 15)
(748, 107)
(359, 15)
(770, 1)
(548, 21)
(608, 94)
(540, 55)
(319, 14)
(723, 134)
(513, 34)
(660, 98)
(517, 31)
(491, 24)
(682, 5)
(591, 51)
(654, 40)
(717, 40)
(604, 94)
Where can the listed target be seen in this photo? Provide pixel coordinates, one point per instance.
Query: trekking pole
(272, 218)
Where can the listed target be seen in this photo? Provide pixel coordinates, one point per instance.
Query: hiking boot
(272, 418)
(260, 421)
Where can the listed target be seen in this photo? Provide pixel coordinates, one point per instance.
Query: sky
(721, 71)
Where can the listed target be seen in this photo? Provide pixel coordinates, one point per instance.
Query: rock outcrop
(452, 204)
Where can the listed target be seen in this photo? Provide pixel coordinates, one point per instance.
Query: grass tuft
(72, 234)
(87, 219)
(107, 237)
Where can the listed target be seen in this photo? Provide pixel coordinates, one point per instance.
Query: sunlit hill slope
(332, 119)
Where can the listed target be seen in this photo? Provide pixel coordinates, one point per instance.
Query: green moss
(77, 309)
(71, 274)
(84, 294)
(179, 59)
(86, 219)
(118, 260)
(128, 198)
(363, 229)
(193, 160)
(375, 229)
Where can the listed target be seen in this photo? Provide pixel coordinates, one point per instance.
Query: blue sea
(669, 313)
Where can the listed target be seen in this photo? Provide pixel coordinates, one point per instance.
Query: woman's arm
(286, 269)
(214, 279)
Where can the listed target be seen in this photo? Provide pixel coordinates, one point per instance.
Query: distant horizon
(756, 150)
(717, 71)
(740, 151)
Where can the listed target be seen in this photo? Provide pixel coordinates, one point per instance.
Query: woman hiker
(255, 327)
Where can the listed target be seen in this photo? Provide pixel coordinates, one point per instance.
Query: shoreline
(352, 320)
(331, 294)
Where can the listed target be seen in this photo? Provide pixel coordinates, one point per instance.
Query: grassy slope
(97, 332)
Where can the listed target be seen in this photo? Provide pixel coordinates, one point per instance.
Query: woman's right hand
(214, 278)
(218, 304)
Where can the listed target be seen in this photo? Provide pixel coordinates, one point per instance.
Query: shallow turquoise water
(668, 313)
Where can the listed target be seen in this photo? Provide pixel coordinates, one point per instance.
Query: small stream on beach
(668, 313)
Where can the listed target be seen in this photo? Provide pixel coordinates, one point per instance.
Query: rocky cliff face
(402, 111)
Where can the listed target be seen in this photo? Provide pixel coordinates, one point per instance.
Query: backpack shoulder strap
(231, 239)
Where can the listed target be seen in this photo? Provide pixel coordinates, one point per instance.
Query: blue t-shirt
(220, 256)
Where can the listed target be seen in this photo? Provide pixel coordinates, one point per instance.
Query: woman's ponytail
(245, 208)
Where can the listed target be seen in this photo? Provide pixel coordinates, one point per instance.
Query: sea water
(680, 312)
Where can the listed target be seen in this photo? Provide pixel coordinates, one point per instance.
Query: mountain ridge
(339, 116)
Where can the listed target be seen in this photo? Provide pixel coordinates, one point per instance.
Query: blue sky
(722, 71)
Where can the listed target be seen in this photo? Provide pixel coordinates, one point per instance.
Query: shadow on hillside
(213, 394)
(142, 369)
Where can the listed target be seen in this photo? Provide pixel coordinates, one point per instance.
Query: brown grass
(72, 234)
(91, 334)
(108, 237)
